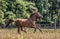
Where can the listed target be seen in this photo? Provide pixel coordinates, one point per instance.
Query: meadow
(46, 34)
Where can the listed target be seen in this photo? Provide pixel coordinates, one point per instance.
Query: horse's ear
(33, 12)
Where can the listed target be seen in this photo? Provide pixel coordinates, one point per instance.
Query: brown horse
(30, 22)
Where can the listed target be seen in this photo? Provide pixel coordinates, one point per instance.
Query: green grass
(47, 34)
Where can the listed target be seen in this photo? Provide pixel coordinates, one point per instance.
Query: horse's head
(37, 15)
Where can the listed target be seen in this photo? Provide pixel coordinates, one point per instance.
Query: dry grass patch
(47, 34)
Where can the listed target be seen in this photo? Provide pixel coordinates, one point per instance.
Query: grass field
(47, 34)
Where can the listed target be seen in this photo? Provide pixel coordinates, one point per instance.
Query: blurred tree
(10, 9)
(1, 17)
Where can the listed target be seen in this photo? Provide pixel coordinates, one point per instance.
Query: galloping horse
(30, 22)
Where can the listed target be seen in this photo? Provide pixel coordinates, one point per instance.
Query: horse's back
(20, 22)
(20, 19)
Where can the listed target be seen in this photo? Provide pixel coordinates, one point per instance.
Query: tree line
(11, 9)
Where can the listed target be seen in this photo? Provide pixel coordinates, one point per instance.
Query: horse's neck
(32, 19)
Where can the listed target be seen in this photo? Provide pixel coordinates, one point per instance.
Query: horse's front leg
(36, 27)
(39, 29)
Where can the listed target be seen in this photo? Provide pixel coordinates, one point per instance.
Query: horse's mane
(32, 14)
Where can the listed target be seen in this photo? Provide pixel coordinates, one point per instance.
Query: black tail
(10, 21)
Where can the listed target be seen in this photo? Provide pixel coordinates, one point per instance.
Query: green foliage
(10, 15)
(10, 9)
(25, 7)
(1, 16)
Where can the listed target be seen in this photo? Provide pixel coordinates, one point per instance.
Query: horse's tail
(10, 21)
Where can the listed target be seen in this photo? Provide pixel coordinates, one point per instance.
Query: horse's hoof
(25, 31)
(19, 33)
(34, 31)
(41, 31)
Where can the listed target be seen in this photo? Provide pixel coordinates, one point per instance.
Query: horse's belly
(19, 23)
(26, 24)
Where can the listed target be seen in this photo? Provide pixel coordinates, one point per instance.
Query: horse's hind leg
(23, 30)
(18, 30)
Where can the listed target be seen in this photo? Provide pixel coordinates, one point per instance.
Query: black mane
(32, 14)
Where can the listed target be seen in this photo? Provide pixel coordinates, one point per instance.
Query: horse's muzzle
(41, 16)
